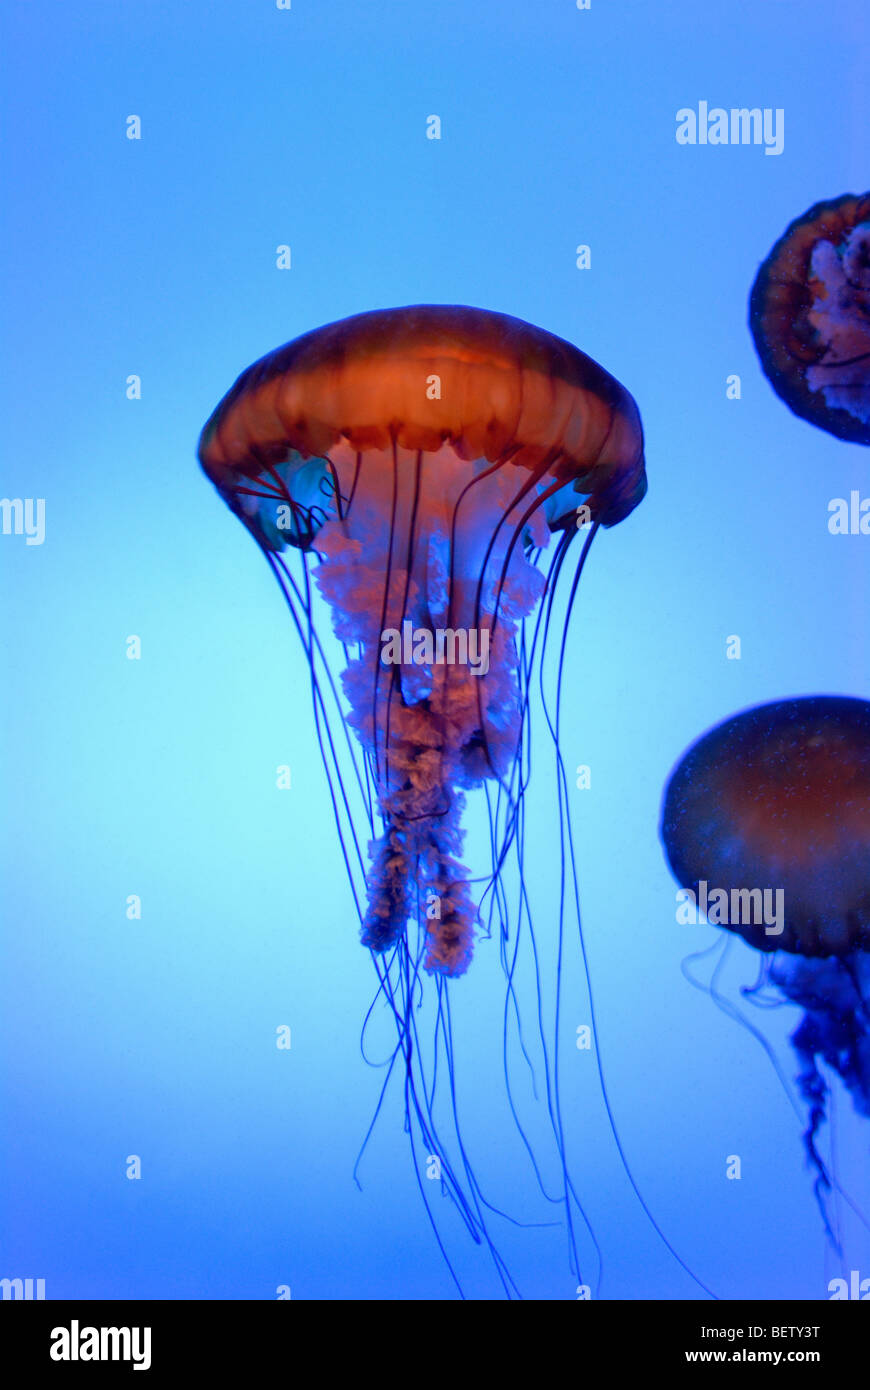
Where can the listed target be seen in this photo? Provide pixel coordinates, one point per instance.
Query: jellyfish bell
(809, 313)
(776, 799)
(422, 471)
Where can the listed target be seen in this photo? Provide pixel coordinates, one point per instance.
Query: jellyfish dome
(422, 456)
(809, 313)
(766, 821)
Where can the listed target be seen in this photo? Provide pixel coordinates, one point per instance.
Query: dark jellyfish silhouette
(776, 800)
(809, 312)
(413, 465)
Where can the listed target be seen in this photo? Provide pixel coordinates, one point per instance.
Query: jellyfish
(421, 473)
(766, 825)
(809, 312)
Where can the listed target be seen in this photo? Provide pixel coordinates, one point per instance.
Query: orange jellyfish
(809, 312)
(766, 825)
(413, 466)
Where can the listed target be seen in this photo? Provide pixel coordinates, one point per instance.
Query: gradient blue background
(156, 777)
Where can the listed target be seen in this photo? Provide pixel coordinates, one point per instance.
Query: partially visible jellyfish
(766, 823)
(414, 465)
(809, 312)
